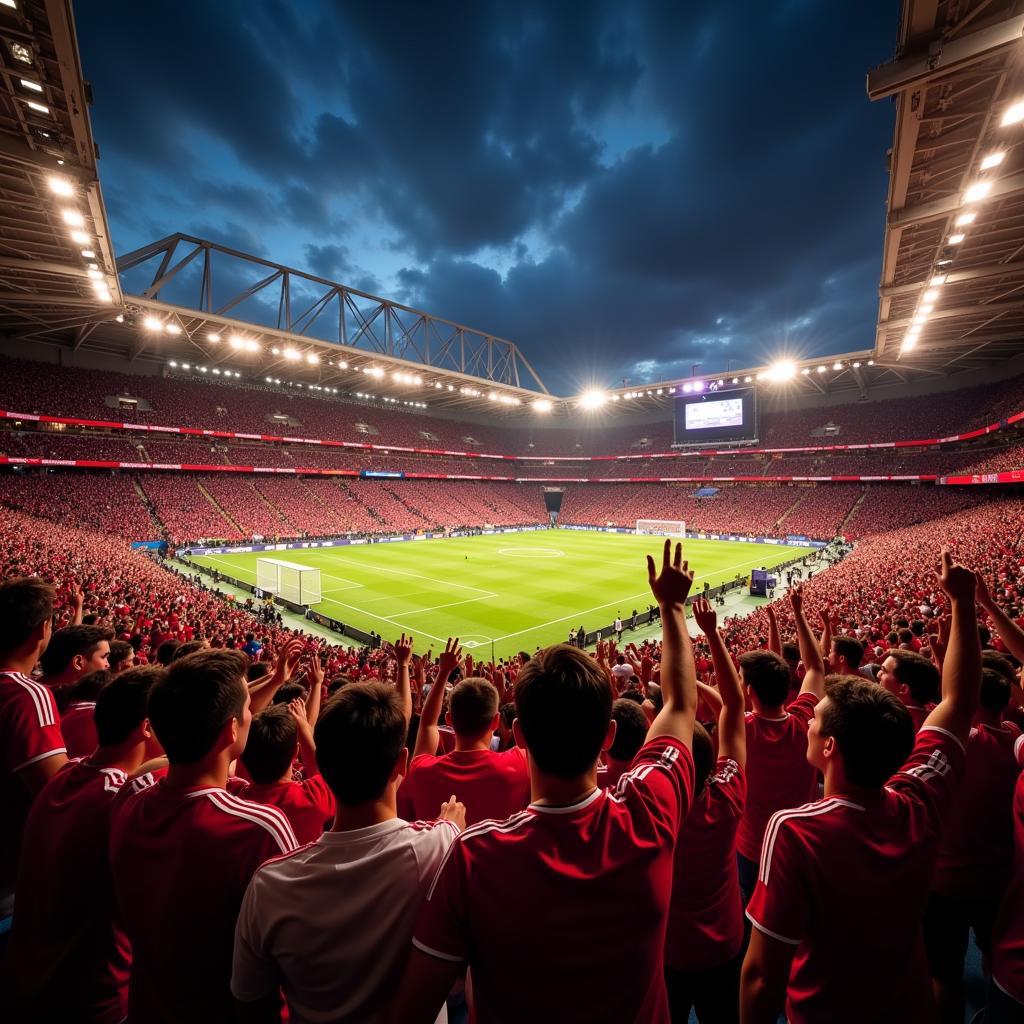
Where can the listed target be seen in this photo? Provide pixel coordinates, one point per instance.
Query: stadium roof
(946, 306)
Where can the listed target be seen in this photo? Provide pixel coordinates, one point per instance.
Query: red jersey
(29, 731)
(181, 860)
(544, 897)
(778, 773)
(308, 805)
(1008, 934)
(78, 726)
(976, 853)
(70, 960)
(491, 785)
(846, 882)
(705, 920)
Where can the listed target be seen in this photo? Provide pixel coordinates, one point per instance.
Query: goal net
(661, 527)
(299, 584)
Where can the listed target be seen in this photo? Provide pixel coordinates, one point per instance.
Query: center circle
(531, 552)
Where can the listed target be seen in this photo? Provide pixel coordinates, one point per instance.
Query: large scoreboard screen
(711, 417)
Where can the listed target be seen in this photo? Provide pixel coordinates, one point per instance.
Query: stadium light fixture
(993, 160)
(837, 365)
(747, 380)
(908, 345)
(291, 355)
(27, 83)
(203, 369)
(542, 405)
(687, 388)
(96, 275)
(978, 191)
(39, 108)
(186, 366)
(216, 371)
(376, 371)
(964, 219)
(173, 328)
(343, 365)
(735, 380)
(119, 318)
(151, 323)
(79, 237)
(173, 363)
(592, 399)
(1013, 114)
(956, 239)
(938, 279)
(236, 341)
(312, 358)
(856, 365)
(88, 254)
(783, 370)
(930, 295)
(822, 368)
(214, 337)
(73, 218)
(60, 186)
(806, 370)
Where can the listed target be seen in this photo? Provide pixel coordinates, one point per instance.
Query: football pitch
(517, 590)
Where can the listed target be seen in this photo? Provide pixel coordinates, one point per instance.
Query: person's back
(331, 922)
(489, 783)
(778, 775)
(70, 960)
(183, 850)
(1008, 933)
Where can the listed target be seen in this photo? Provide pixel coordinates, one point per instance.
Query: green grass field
(519, 590)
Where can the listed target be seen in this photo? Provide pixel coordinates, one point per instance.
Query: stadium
(283, 560)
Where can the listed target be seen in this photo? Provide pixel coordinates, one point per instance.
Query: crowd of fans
(254, 819)
(181, 401)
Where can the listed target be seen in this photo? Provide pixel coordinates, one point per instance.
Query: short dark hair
(473, 704)
(26, 602)
(184, 650)
(790, 653)
(767, 674)
(270, 747)
(630, 729)
(123, 704)
(850, 648)
(288, 692)
(70, 641)
(358, 739)
(871, 727)
(166, 651)
(1001, 664)
(703, 757)
(564, 705)
(120, 650)
(257, 670)
(87, 688)
(995, 690)
(195, 699)
(918, 674)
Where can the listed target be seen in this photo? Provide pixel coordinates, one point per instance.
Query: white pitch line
(415, 575)
(436, 607)
(621, 600)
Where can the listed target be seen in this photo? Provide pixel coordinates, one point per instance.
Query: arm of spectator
(765, 976)
(1009, 632)
(262, 693)
(304, 734)
(77, 602)
(774, 641)
(428, 736)
(711, 697)
(36, 774)
(425, 985)
(316, 689)
(826, 634)
(403, 657)
(810, 652)
(961, 669)
(678, 674)
(732, 726)
(940, 643)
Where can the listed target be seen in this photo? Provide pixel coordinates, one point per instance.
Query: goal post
(661, 527)
(299, 584)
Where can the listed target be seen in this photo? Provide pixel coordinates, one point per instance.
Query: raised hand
(297, 709)
(402, 649)
(453, 811)
(704, 615)
(796, 602)
(956, 580)
(671, 586)
(984, 598)
(449, 660)
(469, 664)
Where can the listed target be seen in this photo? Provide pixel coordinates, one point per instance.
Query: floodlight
(215, 337)
(856, 365)
(964, 219)
(38, 107)
(977, 191)
(61, 186)
(822, 368)
(173, 328)
(20, 53)
(956, 239)
(89, 254)
(27, 83)
(291, 354)
(698, 385)
(236, 341)
(376, 371)
(746, 380)
(1013, 114)
(687, 388)
(806, 370)
(735, 380)
(592, 399)
(542, 405)
(783, 370)
(151, 323)
(907, 345)
(837, 365)
(938, 279)
(312, 358)
(931, 295)
(79, 237)
(73, 218)
(96, 275)
(343, 365)
(992, 160)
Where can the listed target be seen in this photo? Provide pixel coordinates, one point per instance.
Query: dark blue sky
(622, 188)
